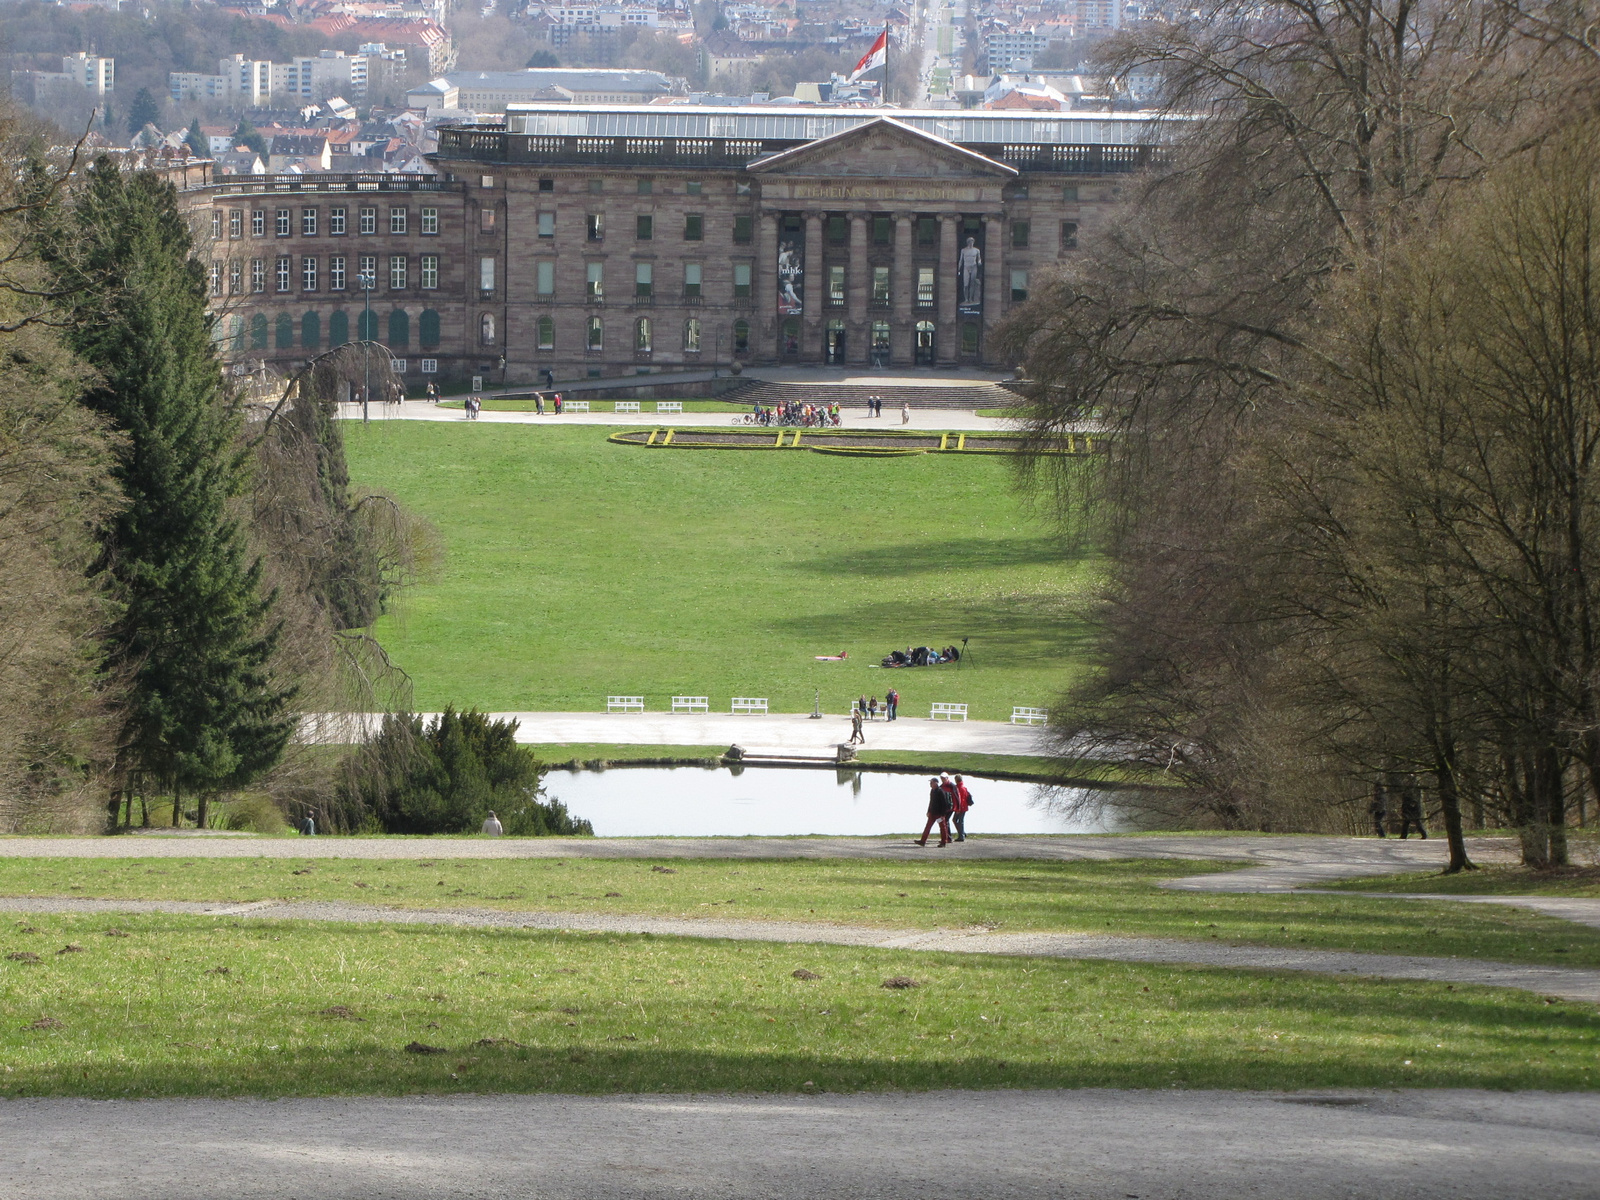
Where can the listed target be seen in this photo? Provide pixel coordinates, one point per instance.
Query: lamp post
(365, 282)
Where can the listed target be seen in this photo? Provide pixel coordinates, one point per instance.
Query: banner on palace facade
(969, 274)
(791, 272)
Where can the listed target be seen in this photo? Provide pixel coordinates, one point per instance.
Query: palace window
(308, 222)
(547, 333)
(547, 224)
(1019, 285)
(283, 273)
(646, 186)
(367, 265)
(282, 223)
(691, 335)
(835, 285)
(397, 220)
(430, 222)
(596, 337)
(741, 281)
(643, 280)
(691, 281)
(285, 331)
(258, 222)
(486, 274)
(641, 336)
(882, 230)
(368, 220)
(310, 331)
(428, 329)
(594, 281)
(880, 285)
(430, 366)
(741, 337)
(397, 272)
(595, 223)
(836, 229)
(430, 271)
(399, 330)
(644, 227)
(336, 217)
(545, 277)
(927, 231)
(235, 222)
(969, 338)
(924, 287)
(547, 185)
(216, 277)
(235, 277)
(694, 187)
(1069, 235)
(1019, 235)
(336, 273)
(258, 274)
(216, 224)
(744, 230)
(338, 328)
(308, 274)
(694, 227)
(486, 220)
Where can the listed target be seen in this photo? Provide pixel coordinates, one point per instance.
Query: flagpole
(886, 63)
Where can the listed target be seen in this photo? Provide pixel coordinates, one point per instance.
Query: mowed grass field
(577, 568)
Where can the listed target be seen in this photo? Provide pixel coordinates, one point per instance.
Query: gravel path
(1003, 1145)
(1565, 982)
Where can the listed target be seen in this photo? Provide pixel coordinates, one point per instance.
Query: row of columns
(858, 287)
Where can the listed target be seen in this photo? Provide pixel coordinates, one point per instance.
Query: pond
(788, 802)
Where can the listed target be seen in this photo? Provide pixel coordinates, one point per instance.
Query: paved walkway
(1097, 1144)
(852, 418)
(1566, 982)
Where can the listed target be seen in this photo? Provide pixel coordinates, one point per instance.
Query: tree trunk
(177, 805)
(1450, 808)
(205, 798)
(1555, 811)
(1521, 791)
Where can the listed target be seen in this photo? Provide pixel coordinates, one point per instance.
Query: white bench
(949, 712)
(627, 406)
(1028, 716)
(749, 704)
(574, 406)
(624, 704)
(691, 704)
(669, 406)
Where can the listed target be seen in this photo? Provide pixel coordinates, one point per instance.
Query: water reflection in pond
(779, 802)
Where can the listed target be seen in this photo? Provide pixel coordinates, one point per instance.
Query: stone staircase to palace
(964, 394)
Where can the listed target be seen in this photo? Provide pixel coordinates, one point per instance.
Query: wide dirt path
(1083, 1145)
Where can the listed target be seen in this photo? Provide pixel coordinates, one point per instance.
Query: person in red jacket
(958, 816)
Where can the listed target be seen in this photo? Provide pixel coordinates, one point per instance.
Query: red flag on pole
(874, 58)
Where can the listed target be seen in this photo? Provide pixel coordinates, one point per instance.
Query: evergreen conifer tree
(193, 637)
(143, 111)
(196, 140)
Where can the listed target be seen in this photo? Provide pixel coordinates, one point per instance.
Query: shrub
(445, 775)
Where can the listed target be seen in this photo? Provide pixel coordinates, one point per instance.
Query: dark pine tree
(246, 135)
(194, 639)
(196, 140)
(143, 111)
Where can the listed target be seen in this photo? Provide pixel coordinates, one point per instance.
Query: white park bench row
(1029, 716)
(624, 406)
(948, 712)
(687, 704)
(574, 406)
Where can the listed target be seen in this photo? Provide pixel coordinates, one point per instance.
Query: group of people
(473, 405)
(792, 412)
(875, 409)
(948, 802)
(921, 656)
(555, 403)
(867, 710)
(1410, 796)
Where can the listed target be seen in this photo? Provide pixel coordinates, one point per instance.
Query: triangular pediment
(880, 149)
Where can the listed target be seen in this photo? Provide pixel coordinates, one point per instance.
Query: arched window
(367, 327)
(547, 333)
(641, 335)
(741, 337)
(236, 324)
(258, 331)
(428, 328)
(596, 334)
(399, 329)
(311, 331)
(285, 324)
(691, 335)
(486, 329)
(338, 328)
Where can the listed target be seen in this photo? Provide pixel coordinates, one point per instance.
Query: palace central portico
(610, 240)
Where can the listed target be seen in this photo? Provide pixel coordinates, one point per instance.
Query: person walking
(492, 826)
(891, 705)
(958, 814)
(1411, 811)
(538, 403)
(557, 402)
(857, 738)
(938, 810)
(1378, 810)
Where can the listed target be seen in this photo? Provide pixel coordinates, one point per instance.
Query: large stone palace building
(595, 241)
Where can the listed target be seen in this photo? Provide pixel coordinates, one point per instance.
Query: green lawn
(1007, 895)
(1486, 881)
(186, 1006)
(578, 568)
(494, 404)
